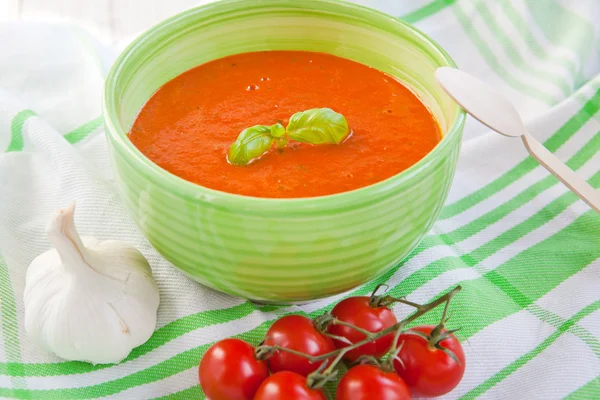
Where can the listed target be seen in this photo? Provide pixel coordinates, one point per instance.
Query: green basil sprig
(315, 126)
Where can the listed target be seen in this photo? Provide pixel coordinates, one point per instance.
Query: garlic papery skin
(89, 300)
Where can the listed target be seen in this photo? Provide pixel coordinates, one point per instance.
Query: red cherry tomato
(358, 312)
(368, 382)
(287, 385)
(297, 333)
(428, 371)
(229, 371)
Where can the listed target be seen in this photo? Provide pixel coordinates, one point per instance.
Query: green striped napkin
(525, 249)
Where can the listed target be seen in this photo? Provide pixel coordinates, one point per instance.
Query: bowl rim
(183, 188)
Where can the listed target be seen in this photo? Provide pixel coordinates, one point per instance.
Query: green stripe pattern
(16, 130)
(493, 291)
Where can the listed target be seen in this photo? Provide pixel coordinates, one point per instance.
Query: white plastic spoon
(492, 109)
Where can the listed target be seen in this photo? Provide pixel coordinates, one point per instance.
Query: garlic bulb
(89, 300)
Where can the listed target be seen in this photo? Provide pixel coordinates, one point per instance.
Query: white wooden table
(114, 21)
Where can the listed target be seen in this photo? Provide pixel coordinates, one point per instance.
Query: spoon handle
(565, 174)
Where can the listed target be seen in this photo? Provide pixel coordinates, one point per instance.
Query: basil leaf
(251, 144)
(318, 126)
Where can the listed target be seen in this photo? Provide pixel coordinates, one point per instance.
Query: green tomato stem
(318, 378)
(365, 332)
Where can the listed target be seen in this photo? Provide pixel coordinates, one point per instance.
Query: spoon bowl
(480, 100)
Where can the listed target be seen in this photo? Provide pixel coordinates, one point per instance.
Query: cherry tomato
(287, 385)
(428, 371)
(368, 382)
(229, 371)
(297, 333)
(357, 311)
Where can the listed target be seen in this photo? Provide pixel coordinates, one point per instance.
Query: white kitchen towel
(524, 248)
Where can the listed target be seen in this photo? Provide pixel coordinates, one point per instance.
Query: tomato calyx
(380, 300)
(263, 352)
(370, 360)
(386, 364)
(385, 300)
(438, 335)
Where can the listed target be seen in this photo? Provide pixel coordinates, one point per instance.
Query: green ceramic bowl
(280, 250)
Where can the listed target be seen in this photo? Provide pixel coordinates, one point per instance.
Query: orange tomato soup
(190, 122)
